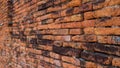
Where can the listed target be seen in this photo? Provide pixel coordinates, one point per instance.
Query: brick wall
(60, 34)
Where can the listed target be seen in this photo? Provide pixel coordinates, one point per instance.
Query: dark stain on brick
(102, 19)
(18, 54)
(45, 64)
(82, 62)
(100, 58)
(16, 36)
(26, 1)
(67, 51)
(69, 11)
(39, 36)
(45, 6)
(43, 22)
(32, 55)
(89, 46)
(45, 42)
(32, 32)
(86, 7)
(87, 55)
(22, 33)
(116, 39)
(96, 2)
(46, 53)
(42, 7)
(10, 24)
(96, 57)
(23, 39)
(108, 49)
(33, 41)
(55, 12)
(58, 43)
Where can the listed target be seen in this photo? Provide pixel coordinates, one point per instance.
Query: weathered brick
(78, 38)
(75, 31)
(115, 62)
(90, 65)
(85, 1)
(59, 33)
(85, 38)
(105, 4)
(105, 39)
(116, 39)
(109, 22)
(86, 7)
(76, 17)
(107, 49)
(105, 12)
(66, 65)
(63, 38)
(91, 38)
(99, 58)
(74, 3)
(49, 37)
(71, 60)
(67, 51)
(57, 62)
(107, 31)
(89, 30)
(54, 55)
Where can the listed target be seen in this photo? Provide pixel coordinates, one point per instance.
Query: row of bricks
(96, 12)
(103, 59)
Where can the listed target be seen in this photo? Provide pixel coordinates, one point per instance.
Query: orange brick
(71, 60)
(111, 22)
(107, 31)
(75, 31)
(66, 65)
(89, 30)
(74, 3)
(105, 39)
(90, 65)
(116, 62)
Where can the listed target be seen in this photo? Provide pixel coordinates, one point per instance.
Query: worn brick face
(59, 33)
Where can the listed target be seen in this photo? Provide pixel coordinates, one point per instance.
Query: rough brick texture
(59, 33)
